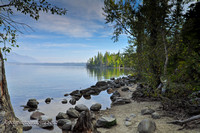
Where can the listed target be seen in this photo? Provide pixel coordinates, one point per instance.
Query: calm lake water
(43, 81)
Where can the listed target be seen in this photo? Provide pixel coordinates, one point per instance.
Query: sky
(74, 37)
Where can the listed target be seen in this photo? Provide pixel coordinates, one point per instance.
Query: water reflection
(106, 73)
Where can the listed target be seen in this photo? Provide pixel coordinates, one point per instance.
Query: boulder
(71, 112)
(32, 103)
(62, 122)
(81, 107)
(155, 115)
(125, 89)
(44, 119)
(120, 101)
(114, 95)
(67, 126)
(147, 126)
(48, 100)
(72, 101)
(36, 115)
(95, 107)
(106, 122)
(101, 83)
(61, 115)
(109, 90)
(147, 111)
(27, 128)
(88, 97)
(64, 101)
(112, 78)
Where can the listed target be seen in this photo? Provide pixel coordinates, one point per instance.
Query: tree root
(181, 122)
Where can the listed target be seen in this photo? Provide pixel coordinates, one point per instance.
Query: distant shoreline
(48, 64)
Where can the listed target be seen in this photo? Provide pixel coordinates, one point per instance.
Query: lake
(41, 81)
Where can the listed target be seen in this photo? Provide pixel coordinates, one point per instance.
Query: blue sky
(75, 37)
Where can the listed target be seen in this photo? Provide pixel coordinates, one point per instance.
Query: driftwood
(84, 124)
(181, 122)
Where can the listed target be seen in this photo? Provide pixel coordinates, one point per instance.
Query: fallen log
(181, 122)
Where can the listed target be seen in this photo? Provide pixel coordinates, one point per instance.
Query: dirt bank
(123, 111)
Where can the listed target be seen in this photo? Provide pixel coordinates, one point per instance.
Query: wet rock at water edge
(109, 90)
(27, 128)
(71, 112)
(87, 97)
(64, 101)
(147, 111)
(101, 83)
(112, 78)
(81, 107)
(115, 95)
(45, 122)
(106, 122)
(72, 101)
(147, 126)
(61, 115)
(67, 126)
(32, 103)
(36, 115)
(61, 122)
(66, 94)
(95, 107)
(48, 100)
(76, 93)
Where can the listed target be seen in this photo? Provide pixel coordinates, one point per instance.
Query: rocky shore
(125, 114)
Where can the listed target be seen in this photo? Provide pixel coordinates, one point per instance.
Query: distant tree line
(113, 59)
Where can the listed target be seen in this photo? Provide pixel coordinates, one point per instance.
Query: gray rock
(121, 101)
(88, 97)
(95, 107)
(61, 116)
(125, 89)
(76, 93)
(27, 128)
(101, 83)
(72, 101)
(127, 123)
(155, 115)
(32, 103)
(81, 107)
(132, 115)
(147, 126)
(106, 122)
(109, 90)
(48, 100)
(64, 101)
(36, 115)
(61, 122)
(147, 111)
(66, 94)
(72, 113)
(67, 126)
(114, 95)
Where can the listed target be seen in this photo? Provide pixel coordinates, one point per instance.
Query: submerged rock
(27, 128)
(147, 126)
(36, 115)
(106, 122)
(95, 107)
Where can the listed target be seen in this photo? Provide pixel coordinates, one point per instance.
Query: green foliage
(165, 41)
(28, 7)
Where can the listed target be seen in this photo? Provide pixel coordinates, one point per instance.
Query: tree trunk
(8, 120)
